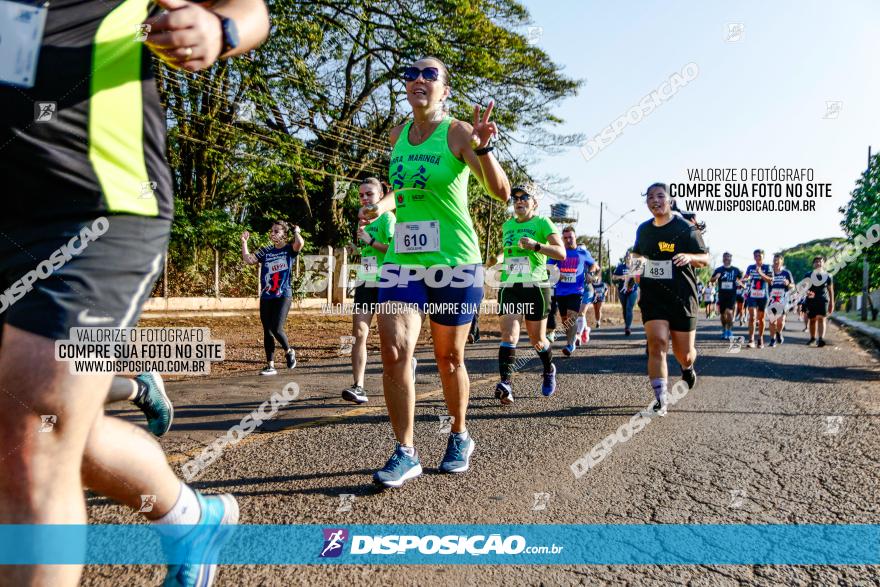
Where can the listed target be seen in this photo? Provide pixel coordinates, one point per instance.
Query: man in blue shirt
(570, 287)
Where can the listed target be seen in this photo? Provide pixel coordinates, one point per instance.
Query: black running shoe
(290, 355)
(821, 342)
(689, 376)
(355, 394)
(811, 342)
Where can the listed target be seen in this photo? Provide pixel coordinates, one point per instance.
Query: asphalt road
(783, 435)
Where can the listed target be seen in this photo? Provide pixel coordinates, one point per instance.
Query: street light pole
(601, 204)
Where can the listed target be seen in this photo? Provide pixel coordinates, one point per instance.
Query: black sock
(547, 358)
(506, 356)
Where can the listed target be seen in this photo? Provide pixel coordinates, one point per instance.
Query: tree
(859, 214)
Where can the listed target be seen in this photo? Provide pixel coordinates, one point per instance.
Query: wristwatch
(231, 40)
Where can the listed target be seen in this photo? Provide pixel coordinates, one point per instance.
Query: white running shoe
(664, 405)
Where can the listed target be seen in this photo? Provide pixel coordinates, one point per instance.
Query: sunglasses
(522, 198)
(430, 74)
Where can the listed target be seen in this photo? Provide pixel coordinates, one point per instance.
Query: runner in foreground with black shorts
(528, 241)
(727, 276)
(757, 279)
(432, 157)
(100, 171)
(375, 237)
(783, 282)
(820, 301)
(276, 270)
(669, 248)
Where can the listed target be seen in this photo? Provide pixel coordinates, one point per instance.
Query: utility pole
(865, 283)
(601, 204)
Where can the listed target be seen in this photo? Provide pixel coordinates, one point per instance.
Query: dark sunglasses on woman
(430, 74)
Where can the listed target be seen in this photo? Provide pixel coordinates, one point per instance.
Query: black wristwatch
(537, 246)
(231, 39)
(485, 150)
(372, 241)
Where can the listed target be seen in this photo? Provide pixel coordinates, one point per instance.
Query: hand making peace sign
(483, 129)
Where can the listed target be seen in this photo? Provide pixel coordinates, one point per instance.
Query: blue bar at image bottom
(613, 544)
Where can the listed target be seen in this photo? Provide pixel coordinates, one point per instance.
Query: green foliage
(267, 135)
(859, 214)
(799, 258)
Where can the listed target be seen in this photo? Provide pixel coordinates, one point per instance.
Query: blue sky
(758, 101)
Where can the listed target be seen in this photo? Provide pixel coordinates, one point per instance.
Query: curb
(870, 331)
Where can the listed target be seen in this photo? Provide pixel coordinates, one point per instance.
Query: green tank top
(434, 224)
(525, 265)
(372, 259)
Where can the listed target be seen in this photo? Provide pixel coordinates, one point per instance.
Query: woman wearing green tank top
(433, 265)
(529, 240)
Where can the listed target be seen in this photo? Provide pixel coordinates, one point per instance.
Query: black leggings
(273, 315)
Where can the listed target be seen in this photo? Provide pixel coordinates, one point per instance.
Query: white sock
(463, 435)
(659, 386)
(409, 450)
(271, 364)
(581, 324)
(135, 389)
(185, 511)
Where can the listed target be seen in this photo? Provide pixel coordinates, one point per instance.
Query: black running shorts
(816, 307)
(678, 317)
(569, 303)
(727, 302)
(97, 271)
(530, 301)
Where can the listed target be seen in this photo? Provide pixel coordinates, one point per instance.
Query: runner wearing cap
(529, 240)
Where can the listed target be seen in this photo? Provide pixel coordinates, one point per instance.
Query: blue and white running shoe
(458, 454)
(548, 387)
(399, 469)
(202, 543)
(504, 392)
(567, 350)
(152, 400)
